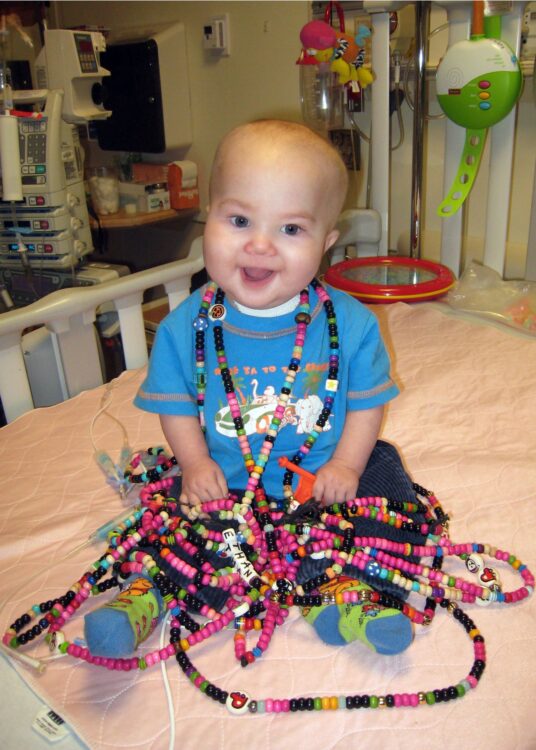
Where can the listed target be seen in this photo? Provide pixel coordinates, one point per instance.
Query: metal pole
(422, 20)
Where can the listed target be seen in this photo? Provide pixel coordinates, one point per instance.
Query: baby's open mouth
(257, 274)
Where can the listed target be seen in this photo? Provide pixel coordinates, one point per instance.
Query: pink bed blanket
(465, 424)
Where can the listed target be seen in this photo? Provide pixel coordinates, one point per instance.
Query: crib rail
(69, 315)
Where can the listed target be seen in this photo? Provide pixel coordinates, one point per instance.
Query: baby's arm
(202, 478)
(338, 479)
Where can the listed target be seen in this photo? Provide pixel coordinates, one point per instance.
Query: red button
(484, 84)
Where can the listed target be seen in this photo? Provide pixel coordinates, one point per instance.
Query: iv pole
(422, 21)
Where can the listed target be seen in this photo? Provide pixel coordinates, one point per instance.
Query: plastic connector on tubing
(396, 66)
(28, 660)
(102, 532)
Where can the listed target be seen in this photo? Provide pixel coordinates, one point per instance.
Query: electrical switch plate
(216, 35)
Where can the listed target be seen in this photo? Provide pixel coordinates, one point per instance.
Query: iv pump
(44, 220)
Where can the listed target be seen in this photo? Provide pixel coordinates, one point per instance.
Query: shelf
(122, 220)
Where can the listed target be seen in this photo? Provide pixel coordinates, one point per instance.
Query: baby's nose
(260, 244)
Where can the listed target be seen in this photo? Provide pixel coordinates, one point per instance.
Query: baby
(264, 364)
(286, 347)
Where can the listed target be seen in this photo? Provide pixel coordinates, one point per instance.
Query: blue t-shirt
(258, 351)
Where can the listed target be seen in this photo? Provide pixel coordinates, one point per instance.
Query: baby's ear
(331, 239)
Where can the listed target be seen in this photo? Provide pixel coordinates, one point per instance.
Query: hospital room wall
(260, 79)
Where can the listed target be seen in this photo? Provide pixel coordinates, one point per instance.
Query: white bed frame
(69, 315)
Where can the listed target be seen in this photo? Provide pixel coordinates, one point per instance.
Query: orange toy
(304, 490)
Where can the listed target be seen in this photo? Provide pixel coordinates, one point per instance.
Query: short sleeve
(369, 383)
(169, 387)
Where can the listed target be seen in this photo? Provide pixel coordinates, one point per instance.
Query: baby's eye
(240, 221)
(291, 229)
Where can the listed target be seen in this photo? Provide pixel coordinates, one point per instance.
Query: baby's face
(268, 227)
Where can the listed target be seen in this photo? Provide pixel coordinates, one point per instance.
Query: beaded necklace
(155, 525)
(255, 468)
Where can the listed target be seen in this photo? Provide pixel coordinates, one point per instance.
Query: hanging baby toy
(345, 53)
(338, 61)
(478, 83)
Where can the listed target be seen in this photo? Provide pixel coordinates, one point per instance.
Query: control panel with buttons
(478, 82)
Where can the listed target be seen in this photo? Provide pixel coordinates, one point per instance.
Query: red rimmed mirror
(391, 279)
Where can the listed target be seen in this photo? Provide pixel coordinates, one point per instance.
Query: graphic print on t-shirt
(258, 408)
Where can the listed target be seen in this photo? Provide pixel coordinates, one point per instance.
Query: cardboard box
(149, 173)
(183, 193)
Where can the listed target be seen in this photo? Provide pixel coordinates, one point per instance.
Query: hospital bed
(465, 426)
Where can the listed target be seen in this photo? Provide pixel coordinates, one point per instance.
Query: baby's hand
(202, 480)
(335, 483)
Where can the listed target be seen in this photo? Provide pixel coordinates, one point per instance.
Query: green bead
(460, 690)
(430, 698)
(374, 702)
(318, 704)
